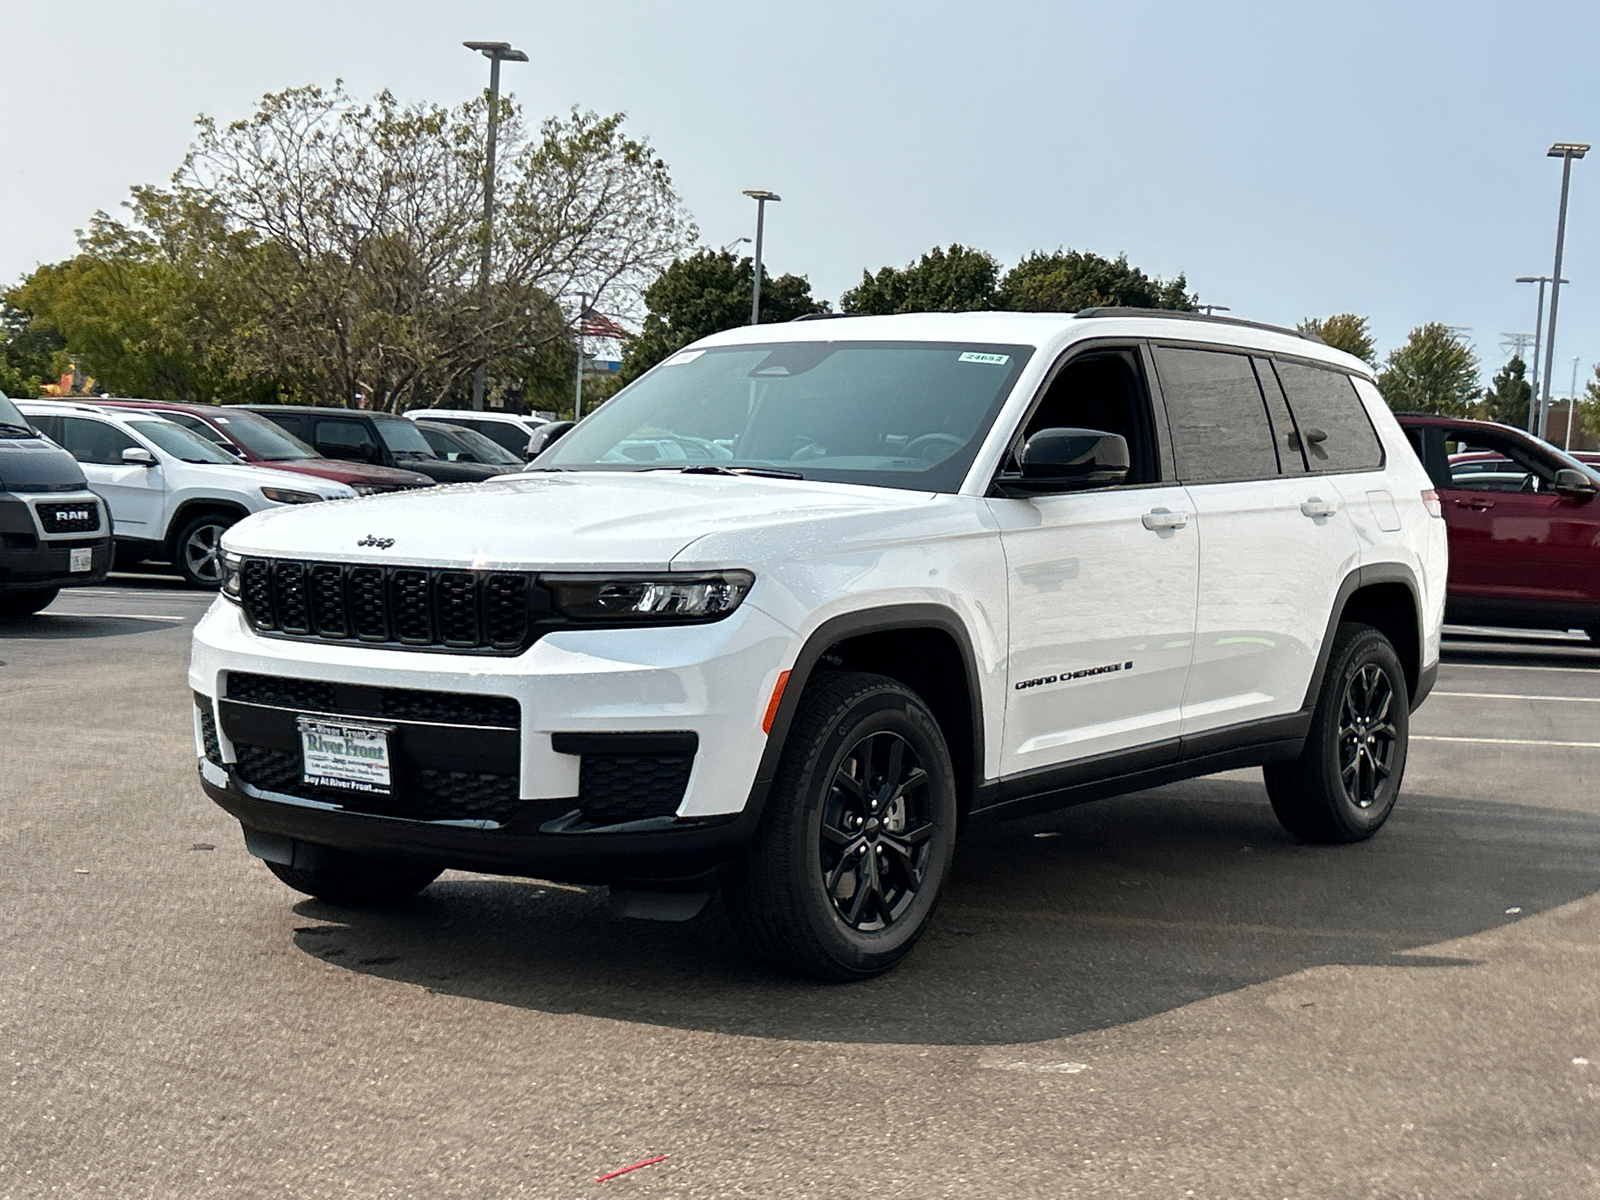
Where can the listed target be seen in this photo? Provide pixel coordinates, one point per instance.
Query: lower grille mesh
(423, 794)
(631, 787)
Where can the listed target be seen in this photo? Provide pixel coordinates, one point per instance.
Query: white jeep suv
(171, 493)
(919, 572)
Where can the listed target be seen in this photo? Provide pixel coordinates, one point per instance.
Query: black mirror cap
(1572, 482)
(547, 435)
(1065, 459)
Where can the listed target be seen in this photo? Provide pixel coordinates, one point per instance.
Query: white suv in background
(505, 429)
(170, 492)
(905, 575)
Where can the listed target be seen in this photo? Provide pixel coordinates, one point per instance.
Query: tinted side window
(93, 442)
(1219, 421)
(195, 425)
(513, 437)
(1325, 403)
(344, 435)
(294, 425)
(49, 426)
(1284, 436)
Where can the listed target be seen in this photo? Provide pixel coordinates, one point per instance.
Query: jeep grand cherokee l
(902, 575)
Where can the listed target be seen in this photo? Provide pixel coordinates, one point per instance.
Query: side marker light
(772, 705)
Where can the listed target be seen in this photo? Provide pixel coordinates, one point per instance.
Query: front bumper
(32, 557)
(573, 689)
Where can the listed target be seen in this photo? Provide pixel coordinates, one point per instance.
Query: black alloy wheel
(1344, 783)
(856, 837)
(1366, 735)
(876, 831)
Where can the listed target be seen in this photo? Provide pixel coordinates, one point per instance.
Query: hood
(354, 473)
(458, 472)
(252, 476)
(583, 520)
(37, 465)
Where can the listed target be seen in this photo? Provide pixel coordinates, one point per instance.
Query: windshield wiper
(763, 472)
(14, 430)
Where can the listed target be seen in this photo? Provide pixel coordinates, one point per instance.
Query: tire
(16, 605)
(357, 880)
(197, 550)
(1594, 634)
(839, 884)
(1343, 786)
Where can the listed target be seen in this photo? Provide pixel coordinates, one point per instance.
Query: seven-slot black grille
(76, 516)
(487, 612)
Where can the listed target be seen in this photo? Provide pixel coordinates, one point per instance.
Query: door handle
(1318, 507)
(1164, 518)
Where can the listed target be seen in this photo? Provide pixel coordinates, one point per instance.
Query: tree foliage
(329, 249)
(1435, 371)
(29, 355)
(1069, 280)
(1344, 331)
(955, 280)
(703, 294)
(1509, 395)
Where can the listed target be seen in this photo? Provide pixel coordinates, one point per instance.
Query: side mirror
(1575, 484)
(546, 436)
(138, 456)
(1067, 460)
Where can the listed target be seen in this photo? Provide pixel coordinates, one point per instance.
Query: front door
(133, 493)
(1101, 584)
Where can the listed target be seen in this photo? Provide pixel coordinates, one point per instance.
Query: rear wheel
(1345, 782)
(15, 605)
(197, 552)
(357, 880)
(856, 840)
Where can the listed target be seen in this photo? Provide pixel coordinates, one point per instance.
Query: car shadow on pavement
(1076, 921)
(48, 626)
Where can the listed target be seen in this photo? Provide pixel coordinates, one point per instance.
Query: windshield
(892, 414)
(263, 439)
(180, 442)
(402, 438)
(13, 423)
(484, 448)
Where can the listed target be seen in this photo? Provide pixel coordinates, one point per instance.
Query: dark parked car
(457, 443)
(1524, 524)
(368, 437)
(254, 439)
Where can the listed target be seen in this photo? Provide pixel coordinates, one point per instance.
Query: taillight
(1430, 501)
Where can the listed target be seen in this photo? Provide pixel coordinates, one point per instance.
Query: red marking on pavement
(649, 1162)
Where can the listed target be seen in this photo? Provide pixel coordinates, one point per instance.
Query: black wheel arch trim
(190, 509)
(888, 619)
(1364, 577)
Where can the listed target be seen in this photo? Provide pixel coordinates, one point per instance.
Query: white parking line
(56, 612)
(1455, 666)
(1517, 696)
(1505, 741)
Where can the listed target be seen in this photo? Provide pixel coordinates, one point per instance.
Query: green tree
(1344, 331)
(705, 293)
(1509, 395)
(1069, 280)
(1589, 405)
(955, 280)
(1435, 371)
(30, 354)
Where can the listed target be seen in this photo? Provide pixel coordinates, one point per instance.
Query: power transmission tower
(1516, 344)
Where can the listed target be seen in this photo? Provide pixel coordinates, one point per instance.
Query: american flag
(598, 325)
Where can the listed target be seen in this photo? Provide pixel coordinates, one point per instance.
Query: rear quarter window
(1334, 428)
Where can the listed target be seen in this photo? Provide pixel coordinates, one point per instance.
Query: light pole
(1538, 336)
(1566, 152)
(761, 198)
(496, 53)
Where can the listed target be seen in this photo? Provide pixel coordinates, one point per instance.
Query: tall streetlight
(1538, 336)
(496, 53)
(1566, 152)
(761, 198)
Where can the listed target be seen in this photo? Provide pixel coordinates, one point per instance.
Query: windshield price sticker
(338, 754)
(998, 360)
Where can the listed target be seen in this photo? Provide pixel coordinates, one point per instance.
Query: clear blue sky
(1385, 158)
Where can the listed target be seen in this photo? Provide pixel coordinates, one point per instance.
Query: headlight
(230, 576)
(366, 489)
(289, 496)
(648, 599)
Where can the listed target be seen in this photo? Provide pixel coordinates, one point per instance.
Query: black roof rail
(819, 316)
(1173, 315)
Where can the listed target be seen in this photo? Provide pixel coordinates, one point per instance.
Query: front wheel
(16, 605)
(857, 837)
(1345, 782)
(357, 880)
(198, 550)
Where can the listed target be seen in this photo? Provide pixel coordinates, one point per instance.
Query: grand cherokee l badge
(380, 543)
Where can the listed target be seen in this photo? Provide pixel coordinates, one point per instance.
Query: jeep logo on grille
(380, 543)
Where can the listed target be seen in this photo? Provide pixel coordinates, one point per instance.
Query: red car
(255, 439)
(1524, 525)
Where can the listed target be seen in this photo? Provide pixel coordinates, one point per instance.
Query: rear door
(1274, 542)
(135, 494)
(1101, 584)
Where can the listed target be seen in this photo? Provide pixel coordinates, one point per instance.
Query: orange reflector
(772, 705)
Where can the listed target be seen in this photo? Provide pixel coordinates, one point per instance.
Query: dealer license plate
(342, 754)
(80, 558)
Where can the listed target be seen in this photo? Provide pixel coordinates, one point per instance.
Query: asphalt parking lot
(1160, 995)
